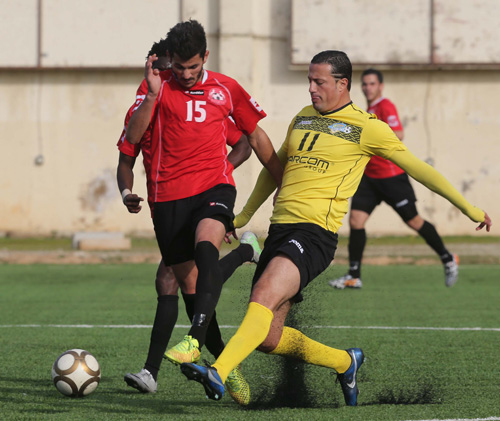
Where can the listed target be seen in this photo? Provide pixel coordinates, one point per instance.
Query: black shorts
(309, 246)
(396, 191)
(175, 222)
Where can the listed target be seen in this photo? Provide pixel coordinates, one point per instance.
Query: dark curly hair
(341, 65)
(187, 39)
(159, 48)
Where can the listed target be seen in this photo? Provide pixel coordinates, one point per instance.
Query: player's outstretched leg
(451, 271)
(207, 376)
(237, 386)
(143, 381)
(348, 380)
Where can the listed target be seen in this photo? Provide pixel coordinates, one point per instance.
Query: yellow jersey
(326, 155)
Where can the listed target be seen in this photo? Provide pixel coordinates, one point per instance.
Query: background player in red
(385, 181)
(166, 283)
(186, 109)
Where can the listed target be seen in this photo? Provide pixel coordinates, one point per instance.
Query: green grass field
(410, 374)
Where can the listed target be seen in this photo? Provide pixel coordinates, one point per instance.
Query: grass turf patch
(410, 373)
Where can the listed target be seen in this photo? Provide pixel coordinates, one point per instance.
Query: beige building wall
(65, 88)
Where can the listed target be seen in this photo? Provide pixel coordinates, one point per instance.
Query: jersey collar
(338, 109)
(376, 102)
(205, 76)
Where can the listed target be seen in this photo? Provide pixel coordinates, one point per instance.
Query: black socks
(166, 316)
(357, 242)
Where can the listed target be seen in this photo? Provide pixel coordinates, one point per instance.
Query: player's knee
(415, 223)
(166, 282)
(166, 288)
(266, 297)
(357, 219)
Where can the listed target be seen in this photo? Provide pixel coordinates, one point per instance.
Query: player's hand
(486, 223)
(227, 237)
(241, 219)
(152, 76)
(133, 202)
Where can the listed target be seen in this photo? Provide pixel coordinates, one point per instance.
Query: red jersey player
(166, 283)
(385, 181)
(186, 110)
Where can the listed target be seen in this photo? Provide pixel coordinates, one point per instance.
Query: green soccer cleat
(250, 238)
(186, 351)
(238, 387)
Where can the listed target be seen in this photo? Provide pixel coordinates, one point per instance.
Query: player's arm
(264, 187)
(263, 148)
(140, 119)
(390, 115)
(240, 152)
(125, 179)
(435, 181)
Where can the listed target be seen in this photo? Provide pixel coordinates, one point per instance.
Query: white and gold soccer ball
(76, 373)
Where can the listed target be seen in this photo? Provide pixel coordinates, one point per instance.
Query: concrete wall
(61, 114)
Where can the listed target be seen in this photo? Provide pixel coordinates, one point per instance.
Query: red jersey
(379, 167)
(188, 132)
(124, 146)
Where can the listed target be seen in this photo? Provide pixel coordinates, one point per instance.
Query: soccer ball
(76, 373)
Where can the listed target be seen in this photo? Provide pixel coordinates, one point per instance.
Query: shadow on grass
(293, 383)
(420, 392)
(290, 389)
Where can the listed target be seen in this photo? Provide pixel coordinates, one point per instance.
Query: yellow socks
(297, 345)
(250, 335)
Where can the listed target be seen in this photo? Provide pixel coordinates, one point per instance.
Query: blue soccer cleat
(348, 380)
(207, 376)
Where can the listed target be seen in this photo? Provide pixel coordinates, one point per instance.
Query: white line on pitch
(464, 419)
(85, 326)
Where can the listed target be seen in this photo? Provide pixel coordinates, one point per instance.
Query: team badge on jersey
(339, 127)
(216, 96)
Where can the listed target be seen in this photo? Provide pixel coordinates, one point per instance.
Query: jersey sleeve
(233, 133)
(123, 144)
(246, 112)
(378, 139)
(435, 181)
(389, 114)
(264, 187)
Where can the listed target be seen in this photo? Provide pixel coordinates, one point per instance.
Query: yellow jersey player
(326, 149)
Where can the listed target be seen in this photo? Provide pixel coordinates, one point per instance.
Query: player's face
(372, 88)
(188, 72)
(325, 89)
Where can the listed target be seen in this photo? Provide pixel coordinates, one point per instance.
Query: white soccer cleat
(451, 271)
(143, 381)
(346, 281)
